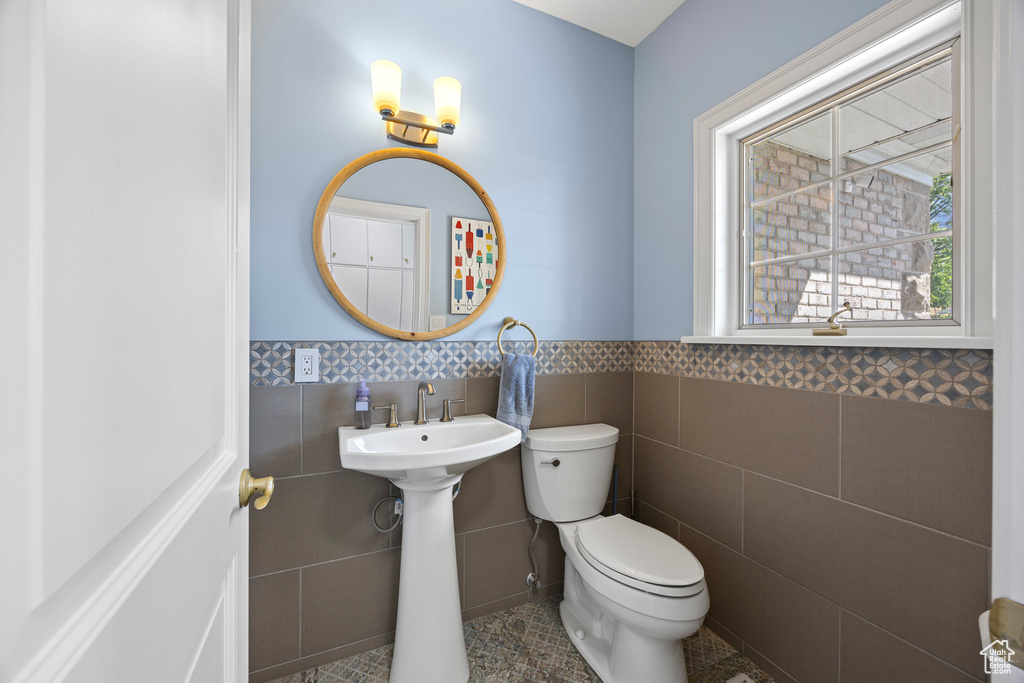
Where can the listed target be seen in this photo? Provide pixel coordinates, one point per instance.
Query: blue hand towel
(515, 392)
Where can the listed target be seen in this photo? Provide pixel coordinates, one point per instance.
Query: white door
(124, 175)
(384, 242)
(384, 296)
(347, 240)
(1008, 406)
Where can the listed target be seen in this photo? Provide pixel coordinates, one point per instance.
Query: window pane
(796, 292)
(940, 305)
(909, 281)
(791, 159)
(857, 198)
(898, 118)
(904, 199)
(797, 224)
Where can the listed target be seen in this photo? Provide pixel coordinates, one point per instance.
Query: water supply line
(615, 490)
(533, 578)
(399, 511)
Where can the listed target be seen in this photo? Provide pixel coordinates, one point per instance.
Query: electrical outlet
(436, 323)
(307, 365)
(742, 678)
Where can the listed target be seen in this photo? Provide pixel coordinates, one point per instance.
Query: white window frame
(893, 34)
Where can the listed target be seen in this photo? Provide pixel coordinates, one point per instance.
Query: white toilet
(631, 593)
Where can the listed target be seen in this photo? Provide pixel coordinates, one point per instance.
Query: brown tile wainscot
(838, 499)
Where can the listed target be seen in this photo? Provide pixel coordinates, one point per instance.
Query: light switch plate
(307, 365)
(436, 323)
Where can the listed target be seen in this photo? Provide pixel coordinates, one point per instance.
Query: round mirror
(409, 244)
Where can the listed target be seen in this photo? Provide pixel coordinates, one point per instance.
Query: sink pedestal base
(425, 461)
(429, 643)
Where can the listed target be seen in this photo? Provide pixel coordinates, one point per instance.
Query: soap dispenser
(362, 405)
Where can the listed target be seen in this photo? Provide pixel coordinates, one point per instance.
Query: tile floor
(527, 643)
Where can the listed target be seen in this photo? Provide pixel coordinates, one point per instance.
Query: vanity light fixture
(408, 126)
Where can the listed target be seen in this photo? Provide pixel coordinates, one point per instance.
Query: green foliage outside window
(941, 197)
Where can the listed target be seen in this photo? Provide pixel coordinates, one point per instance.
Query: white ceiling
(904, 117)
(627, 21)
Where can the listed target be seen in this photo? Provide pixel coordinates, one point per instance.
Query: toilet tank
(577, 488)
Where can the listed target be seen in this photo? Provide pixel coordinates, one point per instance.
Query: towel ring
(511, 322)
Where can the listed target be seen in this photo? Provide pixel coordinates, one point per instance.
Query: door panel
(130, 269)
(352, 282)
(408, 300)
(209, 664)
(385, 244)
(175, 600)
(384, 298)
(347, 240)
(124, 282)
(408, 248)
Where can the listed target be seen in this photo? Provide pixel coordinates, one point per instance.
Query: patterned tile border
(961, 378)
(271, 362)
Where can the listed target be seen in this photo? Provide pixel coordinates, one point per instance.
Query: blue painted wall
(547, 129)
(703, 54)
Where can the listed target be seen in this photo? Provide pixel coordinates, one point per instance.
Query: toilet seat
(639, 556)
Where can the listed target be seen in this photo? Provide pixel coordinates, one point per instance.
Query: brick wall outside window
(882, 283)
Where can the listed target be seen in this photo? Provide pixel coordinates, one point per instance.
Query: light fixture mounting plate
(412, 129)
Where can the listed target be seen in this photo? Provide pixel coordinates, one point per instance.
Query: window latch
(834, 328)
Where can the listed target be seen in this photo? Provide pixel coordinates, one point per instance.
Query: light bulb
(387, 86)
(447, 101)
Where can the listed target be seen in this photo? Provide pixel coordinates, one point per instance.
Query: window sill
(851, 339)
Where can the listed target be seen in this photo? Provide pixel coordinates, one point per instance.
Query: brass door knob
(248, 486)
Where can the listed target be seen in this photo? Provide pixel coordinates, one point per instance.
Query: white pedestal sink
(425, 461)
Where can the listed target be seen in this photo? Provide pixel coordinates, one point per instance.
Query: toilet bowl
(631, 593)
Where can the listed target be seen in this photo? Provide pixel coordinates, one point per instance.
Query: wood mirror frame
(321, 261)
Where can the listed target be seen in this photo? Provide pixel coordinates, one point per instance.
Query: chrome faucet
(425, 389)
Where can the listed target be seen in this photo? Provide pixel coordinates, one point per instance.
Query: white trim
(378, 210)
(844, 59)
(977, 161)
(851, 339)
(236, 617)
(72, 635)
(420, 218)
(1008, 429)
(235, 192)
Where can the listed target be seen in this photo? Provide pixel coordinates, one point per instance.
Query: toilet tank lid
(575, 438)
